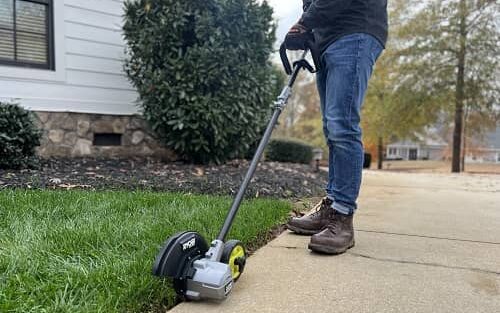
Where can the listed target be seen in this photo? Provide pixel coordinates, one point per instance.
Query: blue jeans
(347, 65)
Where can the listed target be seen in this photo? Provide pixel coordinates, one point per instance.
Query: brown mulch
(272, 179)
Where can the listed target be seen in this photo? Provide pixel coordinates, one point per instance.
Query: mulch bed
(272, 179)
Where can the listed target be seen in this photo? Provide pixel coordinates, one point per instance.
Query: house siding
(88, 95)
(89, 75)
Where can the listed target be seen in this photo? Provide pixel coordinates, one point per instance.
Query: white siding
(89, 75)
(93, 49)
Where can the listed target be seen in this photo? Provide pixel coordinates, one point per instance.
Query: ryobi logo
(228, 288)
(189, 244)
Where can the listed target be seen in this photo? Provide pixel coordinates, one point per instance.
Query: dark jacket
(332, 19)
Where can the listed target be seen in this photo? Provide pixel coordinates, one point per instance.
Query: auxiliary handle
(279, 105)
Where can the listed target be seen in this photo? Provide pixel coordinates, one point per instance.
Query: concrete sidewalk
(424, 243)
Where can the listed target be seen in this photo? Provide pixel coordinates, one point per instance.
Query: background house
(424, 149)
(63, 59)
(432, 147)
(484, 151)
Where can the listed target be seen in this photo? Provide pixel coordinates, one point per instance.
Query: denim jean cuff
(343, 209)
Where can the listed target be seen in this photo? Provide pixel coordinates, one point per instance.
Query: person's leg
(321, 80)
(348, 63)
(315, 222)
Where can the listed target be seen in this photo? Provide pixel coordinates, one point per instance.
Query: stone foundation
(72, 135)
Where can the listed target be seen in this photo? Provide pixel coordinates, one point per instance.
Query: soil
(272, 179)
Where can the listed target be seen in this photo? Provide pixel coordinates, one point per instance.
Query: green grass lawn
(82, 251)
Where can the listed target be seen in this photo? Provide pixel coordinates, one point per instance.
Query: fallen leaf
(55, 181)
(199, 172)
(70, 186)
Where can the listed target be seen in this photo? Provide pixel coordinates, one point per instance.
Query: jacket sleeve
(321, 12)
(306, 4)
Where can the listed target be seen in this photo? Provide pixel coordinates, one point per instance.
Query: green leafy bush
(202, 71)
(289, 150)
(18, 137)
(278, 84)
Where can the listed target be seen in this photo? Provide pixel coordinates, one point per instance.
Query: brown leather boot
(336, 237)
(313, 223)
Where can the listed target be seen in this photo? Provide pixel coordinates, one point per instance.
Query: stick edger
(200, 271)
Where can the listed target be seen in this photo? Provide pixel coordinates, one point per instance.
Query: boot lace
(334, 225)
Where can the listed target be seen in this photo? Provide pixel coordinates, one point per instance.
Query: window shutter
(31, 24)
(6, 45)
(6, 14)
(6, 29)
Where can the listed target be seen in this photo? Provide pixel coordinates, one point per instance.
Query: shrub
(202, 71)
(18, 137)
(289, 150)
(279, 81)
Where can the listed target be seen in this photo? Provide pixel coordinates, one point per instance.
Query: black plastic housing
(178, 253)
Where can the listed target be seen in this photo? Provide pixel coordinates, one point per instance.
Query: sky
(287, 13)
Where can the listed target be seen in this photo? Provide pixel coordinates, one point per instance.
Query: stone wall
(72, 135)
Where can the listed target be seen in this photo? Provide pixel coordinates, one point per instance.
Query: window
(26, 33)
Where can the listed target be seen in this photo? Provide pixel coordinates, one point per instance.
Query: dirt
(272, 179)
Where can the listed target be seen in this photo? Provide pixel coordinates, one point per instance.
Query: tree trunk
(457, 137)
(462, 159)
(380, 149)
(464, 138)
(459, 92)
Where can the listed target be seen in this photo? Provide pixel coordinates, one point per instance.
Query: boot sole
(301, 231)
(327, 249)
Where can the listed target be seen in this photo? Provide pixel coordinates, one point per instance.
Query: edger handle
(279, 106)
(284, 59)
(311, 48)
